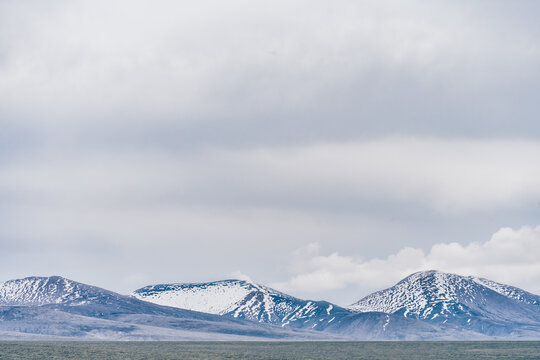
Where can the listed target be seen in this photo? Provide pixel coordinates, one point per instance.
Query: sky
(325, 148)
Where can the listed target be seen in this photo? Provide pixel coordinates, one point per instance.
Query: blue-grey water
(271, 350)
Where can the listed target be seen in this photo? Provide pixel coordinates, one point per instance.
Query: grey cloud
(253, 70)
(453, 176)
(200, 130)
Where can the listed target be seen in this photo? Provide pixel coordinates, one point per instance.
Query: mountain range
(429, 305)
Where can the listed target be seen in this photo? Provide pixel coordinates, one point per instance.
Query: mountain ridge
(428, 305)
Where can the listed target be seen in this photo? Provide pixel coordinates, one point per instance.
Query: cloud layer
(204, 130)
(454, 176)
(320, 69)
(127, 203)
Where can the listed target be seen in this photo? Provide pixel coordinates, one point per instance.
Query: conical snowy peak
(429, 294)
(469, 301)
(420, 295)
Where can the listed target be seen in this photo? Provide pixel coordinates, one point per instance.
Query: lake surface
(271, 350)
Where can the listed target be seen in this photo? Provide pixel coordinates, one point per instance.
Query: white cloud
(510, 256)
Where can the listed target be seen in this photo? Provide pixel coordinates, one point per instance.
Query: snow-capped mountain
(474, 303)
(55, 306)
(244, 300)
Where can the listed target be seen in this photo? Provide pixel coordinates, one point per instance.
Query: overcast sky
(326, 148)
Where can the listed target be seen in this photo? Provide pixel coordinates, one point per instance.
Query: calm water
(270, 350)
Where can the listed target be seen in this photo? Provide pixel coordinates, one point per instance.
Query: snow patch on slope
(33, 291)
(218, 297)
